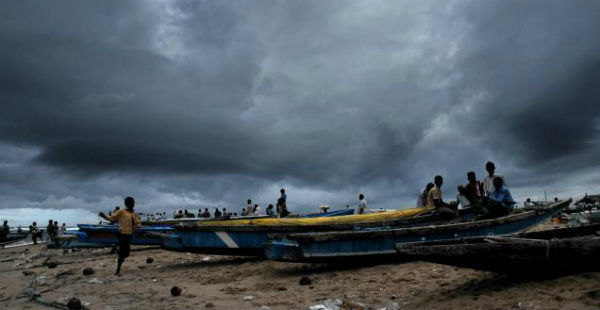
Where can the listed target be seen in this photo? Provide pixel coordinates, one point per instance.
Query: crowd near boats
(481, 225)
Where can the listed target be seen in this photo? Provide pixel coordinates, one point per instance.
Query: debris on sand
(175, 291)
(88, 271)
(74, 303)
(305, 281)
(95, 281)
(327, 304)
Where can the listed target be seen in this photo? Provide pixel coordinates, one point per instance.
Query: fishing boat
(381, 241)
(12, 238)
(554, 250)
(326, 214)
(72, 239)
(248, 236)
(108, 234)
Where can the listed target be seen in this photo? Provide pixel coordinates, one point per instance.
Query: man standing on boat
(249, 207)
(434, 200)
(283, 195)
(362, 204)
(128, 222)
(488, 182)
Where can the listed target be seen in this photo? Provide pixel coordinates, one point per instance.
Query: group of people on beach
(52, 231)
(279, 211)
(489, 197)
(250, 210)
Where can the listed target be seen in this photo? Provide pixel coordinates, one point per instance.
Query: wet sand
(224, 282)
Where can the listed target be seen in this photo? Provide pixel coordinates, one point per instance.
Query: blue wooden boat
(108, 234)
(73, 239)
(331, 213)
(381, 241)
(249, 236)
(12, 238)
(551, 251)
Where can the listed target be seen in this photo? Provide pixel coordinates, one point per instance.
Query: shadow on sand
(228, 261)
(348, 264)
(501, 281)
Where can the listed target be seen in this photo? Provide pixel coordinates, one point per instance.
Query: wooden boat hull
(217, 243)
(108, 234)
(12, 238)
(550, 251)
(328, 214)
(248, 237)
(71, 240)
(333, 246)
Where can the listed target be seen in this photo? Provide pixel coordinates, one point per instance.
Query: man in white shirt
(249, 207)
(362, 204)
(488, 181)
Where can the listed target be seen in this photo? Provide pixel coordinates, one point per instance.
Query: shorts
(124, 246)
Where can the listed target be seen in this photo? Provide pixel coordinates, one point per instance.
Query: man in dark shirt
(473, 187)
(4, 231)
(50, 229)
(33, 229)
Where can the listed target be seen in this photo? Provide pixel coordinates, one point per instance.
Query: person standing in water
(128, 222)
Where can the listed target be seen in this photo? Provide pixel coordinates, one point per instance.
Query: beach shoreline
(226, 282)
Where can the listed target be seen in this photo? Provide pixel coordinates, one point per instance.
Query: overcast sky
(189, 104)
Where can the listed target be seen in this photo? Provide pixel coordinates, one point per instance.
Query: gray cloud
(195, 103)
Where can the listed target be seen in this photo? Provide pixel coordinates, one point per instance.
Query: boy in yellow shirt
(128, 222)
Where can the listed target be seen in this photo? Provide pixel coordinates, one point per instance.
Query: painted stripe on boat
(226, 239)
(362, 253)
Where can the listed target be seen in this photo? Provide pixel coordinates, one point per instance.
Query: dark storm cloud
(201, 103)
(538, 66)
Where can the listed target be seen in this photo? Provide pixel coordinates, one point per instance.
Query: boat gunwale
(424, 230)
(411, 219)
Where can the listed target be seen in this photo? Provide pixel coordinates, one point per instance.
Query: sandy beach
(225, 282)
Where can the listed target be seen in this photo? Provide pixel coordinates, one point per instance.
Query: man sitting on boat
(473, 187)
(434, 200)
(462, 197)
(422, 198)
(270, 211)
(206, 213)
(502, 201)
